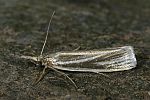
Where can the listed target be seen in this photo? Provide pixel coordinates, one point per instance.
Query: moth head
(38, 61)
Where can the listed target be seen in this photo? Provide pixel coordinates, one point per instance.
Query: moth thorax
(48, 62)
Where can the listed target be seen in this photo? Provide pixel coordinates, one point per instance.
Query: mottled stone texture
(90, 24)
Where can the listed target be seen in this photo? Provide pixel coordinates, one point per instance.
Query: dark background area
(90, 24)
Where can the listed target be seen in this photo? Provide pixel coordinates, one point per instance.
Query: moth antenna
(47, 32)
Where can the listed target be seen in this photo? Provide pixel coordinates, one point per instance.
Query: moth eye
(39, 64)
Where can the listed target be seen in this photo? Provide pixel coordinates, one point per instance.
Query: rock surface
(90, 24)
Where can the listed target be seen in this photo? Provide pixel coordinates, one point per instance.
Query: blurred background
(90, 24)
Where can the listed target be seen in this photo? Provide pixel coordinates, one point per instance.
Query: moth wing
(106, 60)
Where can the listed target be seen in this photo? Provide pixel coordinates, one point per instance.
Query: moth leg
(102, 74)
(77, 48)
(65, 76)
(41, 76)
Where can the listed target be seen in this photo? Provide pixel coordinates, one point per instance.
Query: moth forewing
(106, 60)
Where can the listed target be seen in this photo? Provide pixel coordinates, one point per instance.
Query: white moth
(97, 61)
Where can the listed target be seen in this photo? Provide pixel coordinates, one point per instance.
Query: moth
(96, 61)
